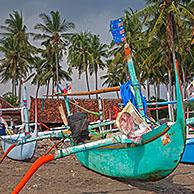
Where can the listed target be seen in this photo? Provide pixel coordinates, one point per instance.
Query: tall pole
(133, 78)
(27, 129)
(57, 70)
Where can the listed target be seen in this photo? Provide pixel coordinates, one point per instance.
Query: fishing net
(79, 127)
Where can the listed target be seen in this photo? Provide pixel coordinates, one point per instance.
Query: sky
(87, 15)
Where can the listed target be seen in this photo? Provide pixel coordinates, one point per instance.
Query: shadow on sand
(166, 186)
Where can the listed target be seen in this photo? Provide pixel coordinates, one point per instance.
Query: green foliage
(11, 98)
(17, 51)
(54, 36)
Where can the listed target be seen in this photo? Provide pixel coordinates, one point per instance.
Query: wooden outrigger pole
(100, 91)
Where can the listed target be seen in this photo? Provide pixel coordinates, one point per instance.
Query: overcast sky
(87, 15)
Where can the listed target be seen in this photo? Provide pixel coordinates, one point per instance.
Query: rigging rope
(88, 111)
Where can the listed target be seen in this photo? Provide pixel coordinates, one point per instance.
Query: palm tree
(116, 74)
(98, 52)
(136, 38)
(18, 52)
(14, 64)
(161, 23)
(79, 55)
(55, 38)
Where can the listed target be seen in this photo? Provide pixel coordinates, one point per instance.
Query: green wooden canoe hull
(150, 161)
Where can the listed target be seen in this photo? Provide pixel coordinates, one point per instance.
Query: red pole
(39, 162)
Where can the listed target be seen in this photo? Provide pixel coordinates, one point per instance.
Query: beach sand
(67, 175)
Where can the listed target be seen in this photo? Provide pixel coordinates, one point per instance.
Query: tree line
(148, 33)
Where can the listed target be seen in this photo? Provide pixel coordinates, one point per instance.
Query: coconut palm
(15, 63)
(98, 54)
(161, 24)
(115, 75)
(55, 38)
(79, 56)
(17, 50)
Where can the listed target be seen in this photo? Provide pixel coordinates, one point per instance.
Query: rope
(53, 146)
(88, 111)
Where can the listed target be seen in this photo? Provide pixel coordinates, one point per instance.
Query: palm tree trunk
(12, 86)
(47, 90)
(169, 37)
(148, 89)
(117, 94)
(170, 41)
(37, 89)
(87, 82)
(158, 88)
(96, 78)
(155, 91)
(19, 92)
(57, 71)
(15, 86)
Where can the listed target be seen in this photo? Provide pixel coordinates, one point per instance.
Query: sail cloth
(130, 123)
(127, 94)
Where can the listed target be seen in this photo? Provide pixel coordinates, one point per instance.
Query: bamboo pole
(104, 90)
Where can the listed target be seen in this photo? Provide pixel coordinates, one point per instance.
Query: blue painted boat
(188, 155)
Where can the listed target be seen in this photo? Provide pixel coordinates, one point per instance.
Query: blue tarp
(127, 94)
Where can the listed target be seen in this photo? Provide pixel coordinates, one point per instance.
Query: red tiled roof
(48, 111)
(5, 104)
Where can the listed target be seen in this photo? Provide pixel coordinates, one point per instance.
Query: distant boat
(10, 142)
(19, 152)
(188, 155)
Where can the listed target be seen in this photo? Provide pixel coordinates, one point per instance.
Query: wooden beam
(104, 90)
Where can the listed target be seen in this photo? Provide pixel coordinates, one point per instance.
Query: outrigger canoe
(17, 152)
(10, 142)
(154, 158)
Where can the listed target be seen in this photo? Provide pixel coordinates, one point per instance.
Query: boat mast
(134, 80)
(27, 129)
(118, 33)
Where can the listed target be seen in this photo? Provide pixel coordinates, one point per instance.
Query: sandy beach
(67, 175)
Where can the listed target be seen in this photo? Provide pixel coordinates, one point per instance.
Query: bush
(11, 98)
